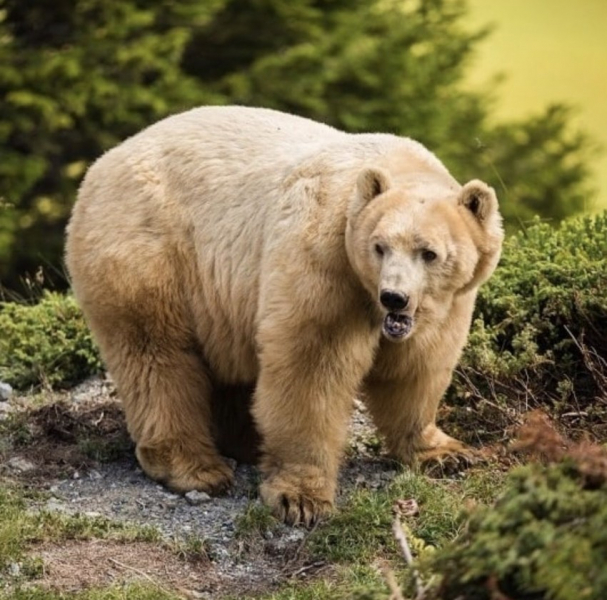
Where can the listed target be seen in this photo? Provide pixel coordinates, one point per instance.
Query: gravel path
(120, 491)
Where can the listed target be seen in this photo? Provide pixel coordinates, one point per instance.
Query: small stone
(5, 410)
(55, 506)
(296, 535)
(388, 475)
(20, 464)
(14, 569)
(6, 391)
(195, 498)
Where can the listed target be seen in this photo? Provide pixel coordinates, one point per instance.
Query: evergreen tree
(396, 66)
(77, 77)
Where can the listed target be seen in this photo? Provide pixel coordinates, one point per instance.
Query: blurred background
(548, 50)
(509, 92)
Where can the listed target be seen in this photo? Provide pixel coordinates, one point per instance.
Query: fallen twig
(395, 592)
(408, 507)
(139, 572)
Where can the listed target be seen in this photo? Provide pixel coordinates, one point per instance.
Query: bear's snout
(393, 300)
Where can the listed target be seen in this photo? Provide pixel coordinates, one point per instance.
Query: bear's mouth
(397, 326)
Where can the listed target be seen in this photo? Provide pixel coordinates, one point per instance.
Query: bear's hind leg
(403, 407)
(166, 393)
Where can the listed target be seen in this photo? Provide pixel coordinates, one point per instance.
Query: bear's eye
(379, 249)
(428, 255)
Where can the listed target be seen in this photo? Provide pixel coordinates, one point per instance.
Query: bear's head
(417, 244)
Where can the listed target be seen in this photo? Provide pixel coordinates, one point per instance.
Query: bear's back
(251, 134)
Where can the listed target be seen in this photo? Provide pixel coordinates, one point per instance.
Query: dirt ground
(74, 447)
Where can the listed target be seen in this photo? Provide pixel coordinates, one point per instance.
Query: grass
(357, 543)
(128, 592)
(361, 531)
(360, 582)
(349, 555)
(257, 520)
(352, 546)
(21, 527)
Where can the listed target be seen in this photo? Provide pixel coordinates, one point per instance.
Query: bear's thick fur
(231, 245)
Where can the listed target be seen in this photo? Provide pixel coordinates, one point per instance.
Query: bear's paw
(298, 499)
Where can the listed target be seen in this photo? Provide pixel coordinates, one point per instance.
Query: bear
(236, 246)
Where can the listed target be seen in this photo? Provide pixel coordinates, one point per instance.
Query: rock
(388, 475)
(53, 505)
(5, 410)
(20, 464)
(6, 391)
(195, 498)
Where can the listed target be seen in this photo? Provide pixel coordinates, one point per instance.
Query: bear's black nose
(393, 300)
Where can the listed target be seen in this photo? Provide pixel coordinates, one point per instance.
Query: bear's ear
(370, 183)
(479, 199)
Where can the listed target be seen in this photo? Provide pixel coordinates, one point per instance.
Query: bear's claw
(443, 460)
(293, 505)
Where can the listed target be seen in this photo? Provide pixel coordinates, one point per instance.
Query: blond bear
(231, 245)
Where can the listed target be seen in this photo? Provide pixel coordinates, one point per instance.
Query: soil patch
(78, 565)
(60, 440)
(76, 448)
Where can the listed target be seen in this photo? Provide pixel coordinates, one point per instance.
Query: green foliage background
(47, 343)
(539, 338)
(77, 77)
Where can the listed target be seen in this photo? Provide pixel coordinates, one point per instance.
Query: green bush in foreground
(544, 539)
(46, 343)
(539, 337)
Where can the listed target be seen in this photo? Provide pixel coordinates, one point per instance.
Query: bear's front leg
(303, 401)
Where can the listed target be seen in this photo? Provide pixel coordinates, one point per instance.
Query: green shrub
(544, 539)
(539, 337)
(45, 343)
